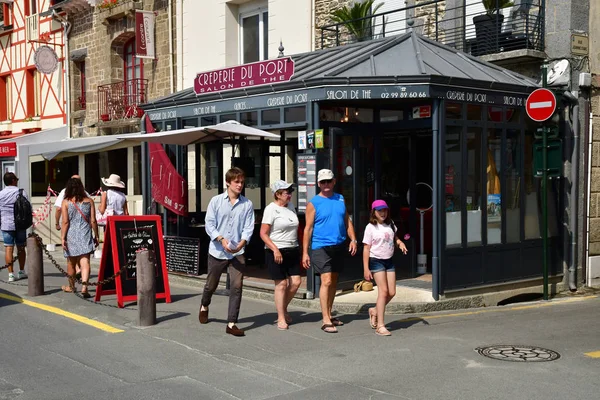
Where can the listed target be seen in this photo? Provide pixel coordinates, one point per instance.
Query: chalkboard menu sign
(182, 254)
(123, 238)
(307, 179)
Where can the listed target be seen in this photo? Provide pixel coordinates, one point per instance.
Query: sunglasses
(326, 181)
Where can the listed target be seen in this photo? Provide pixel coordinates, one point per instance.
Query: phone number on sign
(403, 95)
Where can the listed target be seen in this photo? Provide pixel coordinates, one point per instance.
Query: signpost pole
(545, 190)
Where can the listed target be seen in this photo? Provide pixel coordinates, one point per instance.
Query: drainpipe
(436, 150)
(574, 200)
(66, 30)
(171, 66)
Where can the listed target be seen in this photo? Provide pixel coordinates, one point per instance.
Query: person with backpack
(16, 216)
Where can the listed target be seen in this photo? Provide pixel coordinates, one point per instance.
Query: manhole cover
(511, 352)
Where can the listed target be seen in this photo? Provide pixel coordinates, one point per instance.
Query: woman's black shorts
(290, 265)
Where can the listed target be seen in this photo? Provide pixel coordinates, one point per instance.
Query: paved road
(47, 353)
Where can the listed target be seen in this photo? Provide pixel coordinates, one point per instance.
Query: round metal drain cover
(511, 352)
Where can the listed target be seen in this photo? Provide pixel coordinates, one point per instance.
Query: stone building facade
(103, 97)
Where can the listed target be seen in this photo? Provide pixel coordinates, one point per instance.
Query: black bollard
(35, 268)
(146, 287)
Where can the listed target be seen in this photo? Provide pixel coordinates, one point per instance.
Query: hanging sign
(254, 74)
(144, 34)
(124, 236)
(45, 60)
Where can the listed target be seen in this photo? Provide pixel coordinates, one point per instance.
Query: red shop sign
(8, 149)
(247, 75)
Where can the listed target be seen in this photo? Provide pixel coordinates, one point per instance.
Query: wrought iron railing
(121, 100)
(462, 24)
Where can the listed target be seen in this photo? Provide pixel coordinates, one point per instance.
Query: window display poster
(307, 170)
(319, 140)
(302, 140)
(310, 139)
(493, 208)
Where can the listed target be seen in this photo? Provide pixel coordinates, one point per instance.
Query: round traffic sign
(540, 105)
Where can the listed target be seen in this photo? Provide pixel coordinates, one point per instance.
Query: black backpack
(23, 212)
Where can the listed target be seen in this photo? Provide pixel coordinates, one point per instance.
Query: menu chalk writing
(182, 254)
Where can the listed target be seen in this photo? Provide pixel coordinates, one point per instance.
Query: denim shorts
(378, 265)
(14, 237)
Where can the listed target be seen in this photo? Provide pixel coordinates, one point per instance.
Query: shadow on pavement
(174, 315)
(183, 296)
(405, 323)
(11, 300)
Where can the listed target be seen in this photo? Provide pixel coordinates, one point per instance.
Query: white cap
(280, 185)
(324, 175)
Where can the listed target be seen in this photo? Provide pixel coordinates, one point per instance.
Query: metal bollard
(146, 287)
(35, 268)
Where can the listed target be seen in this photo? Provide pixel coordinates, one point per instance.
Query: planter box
(29, 125)
(125, 8)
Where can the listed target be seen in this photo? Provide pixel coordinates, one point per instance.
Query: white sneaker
(11, 278)
(22, 275)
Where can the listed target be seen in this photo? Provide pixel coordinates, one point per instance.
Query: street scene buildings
(421, 103)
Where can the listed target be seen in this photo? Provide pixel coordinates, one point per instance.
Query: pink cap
(379, 205)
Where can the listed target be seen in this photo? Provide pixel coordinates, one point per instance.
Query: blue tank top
(329, 227)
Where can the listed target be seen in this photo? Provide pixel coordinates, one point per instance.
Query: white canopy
(202, 134)
(81, 145)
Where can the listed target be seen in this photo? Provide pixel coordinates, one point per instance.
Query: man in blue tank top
(327, 226)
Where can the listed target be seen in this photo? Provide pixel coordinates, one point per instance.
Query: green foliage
(356, 18)
(493, 6)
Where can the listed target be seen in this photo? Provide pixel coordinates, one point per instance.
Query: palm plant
(356, 18)
(494, 6)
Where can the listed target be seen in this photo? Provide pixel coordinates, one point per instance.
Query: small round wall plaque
(45, 60)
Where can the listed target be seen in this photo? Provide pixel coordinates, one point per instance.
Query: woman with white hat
(113, 199)
(279, 231)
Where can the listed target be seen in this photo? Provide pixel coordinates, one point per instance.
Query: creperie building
(429, 129)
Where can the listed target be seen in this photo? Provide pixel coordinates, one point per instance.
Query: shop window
(137, 170)
(254, 35)
(190, 123)
(493, 186)
(391, 115)
(101, 165)
(211, 159)
(270, 117)
(249, 118)
(473, 112)
(55, 173)
(205, 121)
(473, 200)
(512, 184)
(5, 91)
(453, 179)
(453, 111)
(227, 117)
(294, 114)
(254, 185)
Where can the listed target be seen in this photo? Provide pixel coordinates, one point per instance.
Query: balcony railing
(462, 24)
(121, 100)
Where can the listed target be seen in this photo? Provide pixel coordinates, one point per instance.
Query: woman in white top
(279, 231)
(113, 198)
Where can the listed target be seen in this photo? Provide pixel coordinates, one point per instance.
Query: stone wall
(323, 10)
(104, 33)
(594, 213)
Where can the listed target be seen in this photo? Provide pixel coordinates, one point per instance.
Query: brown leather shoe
(235, 331)
(203, 316)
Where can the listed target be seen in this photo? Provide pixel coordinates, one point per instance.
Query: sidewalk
(412, 295)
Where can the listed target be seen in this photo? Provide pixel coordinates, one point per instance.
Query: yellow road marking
(67, 314)
(503, 309)
(593, 354)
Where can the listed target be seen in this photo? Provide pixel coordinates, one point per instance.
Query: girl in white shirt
(379, 238)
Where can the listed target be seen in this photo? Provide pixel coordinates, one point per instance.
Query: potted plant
(356, 19)
(489, 25)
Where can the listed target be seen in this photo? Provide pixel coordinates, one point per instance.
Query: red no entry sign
(540, 105)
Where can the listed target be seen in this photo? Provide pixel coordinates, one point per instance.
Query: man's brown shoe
(235, 331)
(203, 317)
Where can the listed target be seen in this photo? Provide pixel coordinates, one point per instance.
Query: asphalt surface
(47, 354)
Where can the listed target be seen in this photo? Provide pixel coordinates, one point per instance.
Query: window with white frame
(254, 35)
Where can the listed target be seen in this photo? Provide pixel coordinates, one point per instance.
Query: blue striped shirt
(233, 222)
